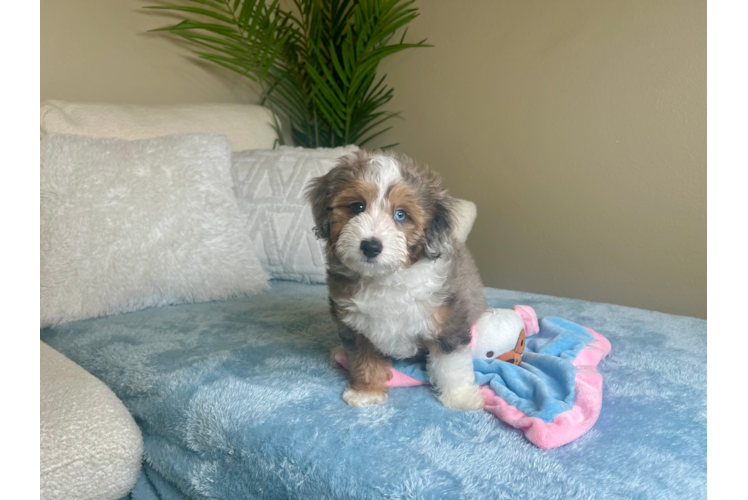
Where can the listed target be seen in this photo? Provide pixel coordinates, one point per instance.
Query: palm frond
(317, 64)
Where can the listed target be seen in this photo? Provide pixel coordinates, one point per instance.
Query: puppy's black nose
(371, 248)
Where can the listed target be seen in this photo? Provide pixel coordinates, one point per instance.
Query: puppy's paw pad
(463, 398)
(356, 398)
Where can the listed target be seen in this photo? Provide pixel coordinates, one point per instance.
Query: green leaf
(194, 10)
(316, 62)
(219, 29)
(371, 127)
(209, 3)
(373, 136)
(226, 63)
(329, 77)
(336, 62)
(231, 46)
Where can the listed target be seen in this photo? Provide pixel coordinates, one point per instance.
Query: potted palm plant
(315, 62)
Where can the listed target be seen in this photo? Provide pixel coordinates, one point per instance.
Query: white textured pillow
(127, 225)
(269, 187)
(246, 126)
(465, 214)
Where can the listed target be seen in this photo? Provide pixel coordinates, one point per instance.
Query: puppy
(399, 282)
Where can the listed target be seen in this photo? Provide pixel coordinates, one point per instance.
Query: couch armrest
(90, 445)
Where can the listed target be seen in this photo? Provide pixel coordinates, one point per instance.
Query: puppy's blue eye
(357, 207)
(399, 215)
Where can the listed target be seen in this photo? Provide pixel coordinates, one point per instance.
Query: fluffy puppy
(399, 282)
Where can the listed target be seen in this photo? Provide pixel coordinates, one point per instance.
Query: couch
(237, 399)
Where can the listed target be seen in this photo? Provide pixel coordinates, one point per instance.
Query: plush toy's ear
(528, 315)
(439, 232)
(473, 335)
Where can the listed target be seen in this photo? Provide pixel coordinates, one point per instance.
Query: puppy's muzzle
(371, 248)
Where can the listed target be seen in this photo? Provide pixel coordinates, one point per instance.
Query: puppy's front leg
(369, 370)
(453, 377)
(450, 361)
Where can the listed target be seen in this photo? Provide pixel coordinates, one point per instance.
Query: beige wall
(99, 50)
(579, 129)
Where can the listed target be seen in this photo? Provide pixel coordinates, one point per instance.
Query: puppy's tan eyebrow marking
(355, 191)
(405, 197)
(344, 205)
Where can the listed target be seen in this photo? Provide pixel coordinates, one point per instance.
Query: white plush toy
(500, 333)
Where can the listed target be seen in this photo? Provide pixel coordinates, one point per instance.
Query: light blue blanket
(542, 385)
(238, 400)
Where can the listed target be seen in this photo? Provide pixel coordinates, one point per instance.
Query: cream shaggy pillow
(127, 225)
(269, 187)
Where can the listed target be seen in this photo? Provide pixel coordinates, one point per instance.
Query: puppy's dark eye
(399, 215)
(357, 207)
(489, 354)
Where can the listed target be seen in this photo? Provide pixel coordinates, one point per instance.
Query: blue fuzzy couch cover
(238, 400)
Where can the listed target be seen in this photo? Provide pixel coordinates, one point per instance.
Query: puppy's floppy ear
(439, 231)
(317, 193)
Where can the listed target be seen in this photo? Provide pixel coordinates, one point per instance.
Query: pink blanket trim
(567, 426)
(399, 379)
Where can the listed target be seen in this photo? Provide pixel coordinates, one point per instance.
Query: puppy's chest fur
(397, 312)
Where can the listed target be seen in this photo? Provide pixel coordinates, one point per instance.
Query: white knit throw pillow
(269, 187)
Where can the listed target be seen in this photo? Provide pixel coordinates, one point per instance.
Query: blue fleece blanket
(542, 385)
(238, 400)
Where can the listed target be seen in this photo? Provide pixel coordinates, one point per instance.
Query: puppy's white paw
(467, 397)
(356, 398)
